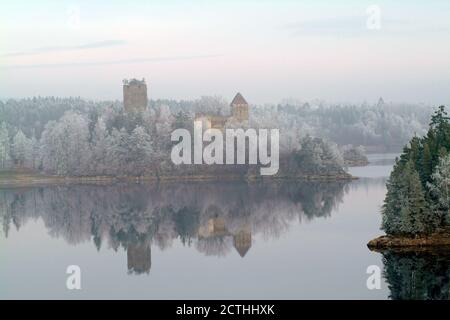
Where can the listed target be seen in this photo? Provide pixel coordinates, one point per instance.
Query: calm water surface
(209, 240)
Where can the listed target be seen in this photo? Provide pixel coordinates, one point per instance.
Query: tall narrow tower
(239, 108)
(135, 95)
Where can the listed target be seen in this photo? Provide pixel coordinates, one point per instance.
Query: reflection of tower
(139, 258)
(242, 241)
(134, 95)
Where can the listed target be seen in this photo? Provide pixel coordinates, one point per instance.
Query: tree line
(83, 138)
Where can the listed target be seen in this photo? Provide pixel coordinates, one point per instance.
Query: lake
(210, 240)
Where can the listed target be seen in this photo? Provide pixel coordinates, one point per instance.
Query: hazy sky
(268, 50)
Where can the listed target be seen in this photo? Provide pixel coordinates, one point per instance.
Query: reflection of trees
(214, 217)
(418, 275)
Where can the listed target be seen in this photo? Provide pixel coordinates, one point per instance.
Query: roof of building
(238, 99)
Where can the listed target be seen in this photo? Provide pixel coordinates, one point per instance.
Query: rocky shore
(438, 240)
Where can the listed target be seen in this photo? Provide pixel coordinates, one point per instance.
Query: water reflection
(417, 275)
(215, 218)
(220, 219)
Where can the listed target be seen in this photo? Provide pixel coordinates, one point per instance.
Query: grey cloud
(91, 45)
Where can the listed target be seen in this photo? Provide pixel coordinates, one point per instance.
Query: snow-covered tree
(440, 188)
(405, 210)
(33, 156)
(4, 146)
(118, 155)
(100, 147)
(65, 145)
(21, 147)
(140, 149)
(215, 105)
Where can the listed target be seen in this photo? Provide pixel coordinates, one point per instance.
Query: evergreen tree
(418, 208)
(427, 163)
(440, 191)
(405, 209)
(391, 219)
(417, 191)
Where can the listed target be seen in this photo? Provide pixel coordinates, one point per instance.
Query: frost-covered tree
(65, 145)
(21, 149)
(100, 145)
(417, 216)
(33, 156)
(141, 150)
(163, 120)
(440, 189)
(118, 153)
(417, 191)
(405, 210)
(215, 105)
(4, 146)
(391, 219)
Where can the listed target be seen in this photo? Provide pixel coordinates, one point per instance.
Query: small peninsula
(416, 210)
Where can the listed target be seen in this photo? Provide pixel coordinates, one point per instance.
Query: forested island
(49, 139)
(416, 210)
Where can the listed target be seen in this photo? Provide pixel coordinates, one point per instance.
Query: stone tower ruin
(135, 95)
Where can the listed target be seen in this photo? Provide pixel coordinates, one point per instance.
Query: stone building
(239, 113)
(239, 108)
(135, 95)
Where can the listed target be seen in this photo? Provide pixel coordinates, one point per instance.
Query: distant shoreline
(13, 179)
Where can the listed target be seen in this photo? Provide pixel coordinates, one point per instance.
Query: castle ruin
(135, 95)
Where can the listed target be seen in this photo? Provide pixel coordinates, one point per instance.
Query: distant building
(239, 113)
(211, 121)
(135, 95)
(239, 108)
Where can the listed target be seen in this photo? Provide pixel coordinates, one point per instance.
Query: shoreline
(437, 241)
(356, 163)
(36, 179)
